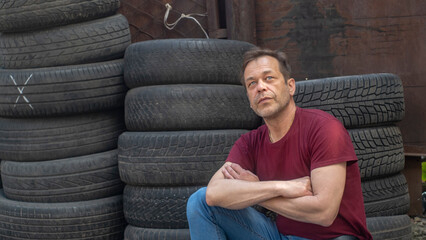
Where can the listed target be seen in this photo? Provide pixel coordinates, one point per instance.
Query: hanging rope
(170, 26)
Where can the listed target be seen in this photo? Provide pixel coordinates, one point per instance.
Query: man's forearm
(233, 187)
(308, 209)
(323, 205)
(238, 194)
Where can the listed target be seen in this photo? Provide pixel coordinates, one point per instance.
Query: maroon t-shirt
(315, 139)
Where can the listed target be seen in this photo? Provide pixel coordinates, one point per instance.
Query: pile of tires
(183, 113)
(61, 112)
(368, 106)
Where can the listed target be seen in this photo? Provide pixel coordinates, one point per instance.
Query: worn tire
(93, 41)
(188, 107)
(22, 15)
(82, 178)
(379, 150)
(39, 139)
(386, 196)
(360, 100)
(96, 219)
(157, 207)
(173, 158)
(390, 227)
(62, 90)
(177, 61)
(137, 233)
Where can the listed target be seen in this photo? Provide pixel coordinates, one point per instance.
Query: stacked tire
(61, 112)
(368, 106)
(183, 113)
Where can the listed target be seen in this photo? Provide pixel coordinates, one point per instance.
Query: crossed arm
(314, 199)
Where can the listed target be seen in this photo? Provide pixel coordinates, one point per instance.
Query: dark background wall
(333, 38)
(322, 39)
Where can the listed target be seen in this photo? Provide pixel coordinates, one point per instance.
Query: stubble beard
(270, 112)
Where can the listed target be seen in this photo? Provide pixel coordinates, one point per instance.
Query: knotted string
(170, 26)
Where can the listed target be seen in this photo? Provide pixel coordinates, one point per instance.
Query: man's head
(257, 52)
(266, 77)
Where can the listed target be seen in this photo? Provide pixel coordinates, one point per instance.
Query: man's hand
(235, 171)
(298, 187)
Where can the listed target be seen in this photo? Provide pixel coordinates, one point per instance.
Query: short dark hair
(258, 52)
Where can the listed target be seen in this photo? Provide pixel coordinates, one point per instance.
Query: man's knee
(196, 202)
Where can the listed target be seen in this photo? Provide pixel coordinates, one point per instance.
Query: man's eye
(268, 78)
(251, 83)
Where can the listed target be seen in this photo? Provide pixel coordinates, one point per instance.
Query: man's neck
(280, 125)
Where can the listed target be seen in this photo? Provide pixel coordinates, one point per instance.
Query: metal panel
(334, 38)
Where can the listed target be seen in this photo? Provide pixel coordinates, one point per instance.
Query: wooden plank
(414, 150)
(413, 174)
(212, 17)
(240, 20)
(214, 29)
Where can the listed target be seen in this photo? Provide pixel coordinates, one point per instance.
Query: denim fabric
(207, 222)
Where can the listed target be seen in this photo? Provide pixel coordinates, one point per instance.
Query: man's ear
(291, 83)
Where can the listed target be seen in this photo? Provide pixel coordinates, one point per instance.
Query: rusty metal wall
(322, 38)
(331, 38)
(146, 18)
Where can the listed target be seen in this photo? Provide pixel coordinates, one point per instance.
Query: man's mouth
(263, 99)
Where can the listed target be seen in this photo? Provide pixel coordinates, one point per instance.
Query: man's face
(267, 91)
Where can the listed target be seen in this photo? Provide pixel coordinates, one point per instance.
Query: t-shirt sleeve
(331, 144)
(240, 155)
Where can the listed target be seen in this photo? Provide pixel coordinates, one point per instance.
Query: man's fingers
(226, 174)
(237, 168)
(235, 171)
(232, 172)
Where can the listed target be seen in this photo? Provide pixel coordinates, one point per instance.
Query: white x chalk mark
(21, 91)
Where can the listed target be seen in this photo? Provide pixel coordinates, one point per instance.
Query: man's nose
(261, 85)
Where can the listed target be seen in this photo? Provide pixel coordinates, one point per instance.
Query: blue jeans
(207, 222)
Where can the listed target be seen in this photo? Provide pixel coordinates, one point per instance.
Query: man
(301, 165)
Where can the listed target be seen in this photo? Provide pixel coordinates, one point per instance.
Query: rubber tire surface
(386, 196)
(379, 150)
(137, 233)
(40, 139)
(93, 41)
(96, 219)
(64, 90)
(23, 15)
(359, 100)
(192, 61)
(157, 207)
(188, 107)
(390, 227)
(82, 178)
(173, 158)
